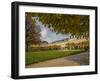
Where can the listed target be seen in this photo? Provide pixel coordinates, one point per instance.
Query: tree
(32, 32)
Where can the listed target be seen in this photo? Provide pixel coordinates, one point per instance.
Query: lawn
(34, 57)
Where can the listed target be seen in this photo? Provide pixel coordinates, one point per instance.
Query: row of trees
(47, 48)
(81, 45)
(70, 46)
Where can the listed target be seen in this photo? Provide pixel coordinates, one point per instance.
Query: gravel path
(74, 60)
(82, 58)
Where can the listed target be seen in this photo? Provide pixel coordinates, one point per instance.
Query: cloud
(48, 35)
(43, 32)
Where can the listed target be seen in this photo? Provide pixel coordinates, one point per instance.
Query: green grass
(34, 57)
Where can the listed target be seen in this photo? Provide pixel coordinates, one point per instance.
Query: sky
(48, 35)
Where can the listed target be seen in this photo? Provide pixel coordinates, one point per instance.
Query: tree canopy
(60, 23)
(65, 23)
